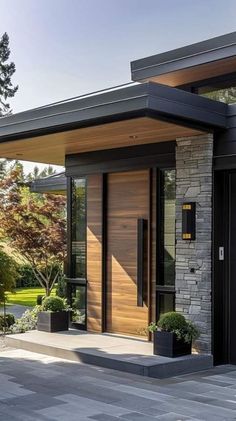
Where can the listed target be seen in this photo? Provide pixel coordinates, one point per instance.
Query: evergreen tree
(36, 173)
(7, 90)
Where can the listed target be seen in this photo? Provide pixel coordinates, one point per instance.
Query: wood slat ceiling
(52, 148)
(197, 73)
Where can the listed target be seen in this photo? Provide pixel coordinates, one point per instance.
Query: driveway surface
(38, 387)
(15, 309)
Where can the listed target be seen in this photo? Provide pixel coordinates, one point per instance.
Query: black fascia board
(80, 113)
(231, 110)
(139, 100)
(185, 106)
(204, 52)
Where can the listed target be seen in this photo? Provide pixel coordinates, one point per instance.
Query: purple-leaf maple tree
(35, 225)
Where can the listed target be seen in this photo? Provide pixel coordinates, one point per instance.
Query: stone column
(194, 157)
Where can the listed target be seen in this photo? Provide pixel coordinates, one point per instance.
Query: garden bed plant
(28, 321)
(53, 315)
(6, 322)
(173, 335)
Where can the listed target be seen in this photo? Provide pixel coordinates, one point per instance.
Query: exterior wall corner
(194, 157)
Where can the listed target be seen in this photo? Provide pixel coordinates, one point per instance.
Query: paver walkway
(37, 387)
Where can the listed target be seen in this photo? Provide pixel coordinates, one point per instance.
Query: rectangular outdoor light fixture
(189, 221)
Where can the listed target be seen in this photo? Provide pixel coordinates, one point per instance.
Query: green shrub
(61, 287)
(27, 277)
(176, 323)
(53, 304)
(28, 321)
(172, 321)
(8, 274)
(190, 333)
(9, 321)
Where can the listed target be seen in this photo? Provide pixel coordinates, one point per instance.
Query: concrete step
(123, 354)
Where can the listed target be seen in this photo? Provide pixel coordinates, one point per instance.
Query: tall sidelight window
(77, 282)
(78, 304)
(78, 229)
(168, 227)
(166, 249)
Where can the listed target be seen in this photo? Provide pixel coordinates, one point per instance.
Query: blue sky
(64, 48)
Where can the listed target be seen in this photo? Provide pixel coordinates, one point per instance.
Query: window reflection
(169, 228)
(78, 304)
(166, 302)
(227, 95)
(78, 228)
(165, 298)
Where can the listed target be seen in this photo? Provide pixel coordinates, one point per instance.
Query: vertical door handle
(141, 240)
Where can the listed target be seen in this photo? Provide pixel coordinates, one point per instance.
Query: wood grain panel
(94, 253)
(52, 148)
(128, 200)
(196, 73)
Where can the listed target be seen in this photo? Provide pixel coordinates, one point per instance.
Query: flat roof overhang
(187, 65)
(141, 114)
(54, 184)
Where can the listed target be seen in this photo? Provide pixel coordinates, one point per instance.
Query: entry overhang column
(194, 157)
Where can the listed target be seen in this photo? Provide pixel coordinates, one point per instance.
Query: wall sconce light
(189, 221)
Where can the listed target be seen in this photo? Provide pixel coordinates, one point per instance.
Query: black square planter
(53, 321)
(167, 345)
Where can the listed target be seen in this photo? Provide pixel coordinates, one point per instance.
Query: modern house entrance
(137, 159)
(113, 232)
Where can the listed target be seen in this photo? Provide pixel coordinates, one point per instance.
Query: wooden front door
(127, 260)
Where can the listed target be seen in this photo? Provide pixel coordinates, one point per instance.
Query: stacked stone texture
(194, 157)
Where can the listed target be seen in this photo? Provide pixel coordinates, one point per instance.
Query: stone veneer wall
(194, 157)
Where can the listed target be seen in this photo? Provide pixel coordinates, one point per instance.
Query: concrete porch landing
(122, 353)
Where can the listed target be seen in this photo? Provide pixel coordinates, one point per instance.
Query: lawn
(25, 296)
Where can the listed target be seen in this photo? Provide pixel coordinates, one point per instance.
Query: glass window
(78, 304)
(227, 95)
(166, 302)
(78, 231)
(165, 294)
(168, 233)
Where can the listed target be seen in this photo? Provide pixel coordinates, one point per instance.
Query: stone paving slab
(122, 353)
(36, 387)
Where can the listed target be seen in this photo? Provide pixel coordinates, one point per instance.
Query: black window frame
(71, 280)
(161, 288)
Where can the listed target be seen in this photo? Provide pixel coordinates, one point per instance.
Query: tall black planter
(49, 321)
(167, 345)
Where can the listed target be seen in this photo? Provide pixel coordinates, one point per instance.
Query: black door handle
(141, 243)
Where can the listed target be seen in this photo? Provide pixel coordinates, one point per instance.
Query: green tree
(7, 69)
(35, 225)
(36, 173)
(8, 274)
